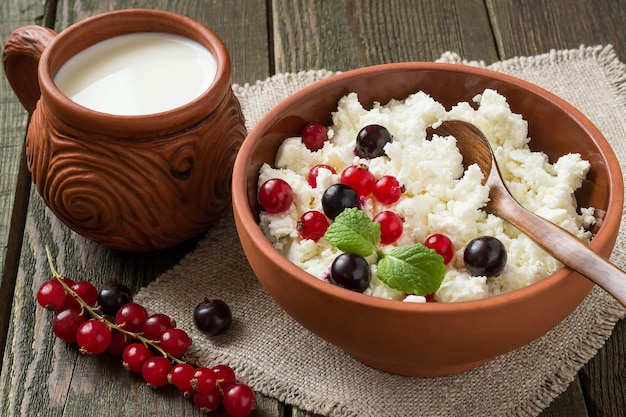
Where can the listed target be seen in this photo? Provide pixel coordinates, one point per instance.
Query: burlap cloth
(278, 358)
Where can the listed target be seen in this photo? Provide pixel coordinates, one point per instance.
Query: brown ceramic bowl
(427, 339)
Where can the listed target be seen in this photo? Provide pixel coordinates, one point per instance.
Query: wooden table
(44, 377)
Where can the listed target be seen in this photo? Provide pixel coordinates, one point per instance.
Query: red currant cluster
(276, 195)
(151, 345)
(483, 256)
(356, 184)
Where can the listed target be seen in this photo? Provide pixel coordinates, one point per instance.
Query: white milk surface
(138, 74)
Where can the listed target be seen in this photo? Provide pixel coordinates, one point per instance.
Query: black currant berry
(113, 296)
(213, 317)
(485, 256)
(371, 140)
(337, 198)
(350, 271)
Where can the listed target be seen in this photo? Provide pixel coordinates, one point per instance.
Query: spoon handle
(565, 247)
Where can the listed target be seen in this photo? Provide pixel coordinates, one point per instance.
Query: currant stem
(96, 315)
(55, 273)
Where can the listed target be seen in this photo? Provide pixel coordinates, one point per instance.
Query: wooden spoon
(561, 244)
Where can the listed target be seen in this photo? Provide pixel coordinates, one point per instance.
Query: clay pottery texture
(135, 183)
(426, 339)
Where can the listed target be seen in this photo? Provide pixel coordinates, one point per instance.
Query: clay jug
(130, 182)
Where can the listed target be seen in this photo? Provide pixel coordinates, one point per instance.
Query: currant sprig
(149, 344)
(96, 315)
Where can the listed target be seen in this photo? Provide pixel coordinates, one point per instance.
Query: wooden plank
(570, 403)
(343, 35)
(42, 375)
(75, 391)
(46, 374)
(241, 25)
(604, 378)
(14, 182)
(530, 28)
(304, 38)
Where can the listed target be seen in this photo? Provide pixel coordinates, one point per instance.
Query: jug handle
(20, 58)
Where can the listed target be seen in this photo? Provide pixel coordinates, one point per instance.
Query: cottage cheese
(440, 196)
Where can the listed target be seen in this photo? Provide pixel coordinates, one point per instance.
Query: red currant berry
(84, 290)
(313, 225)
(68, 281)
(225, 376)
(134, 356)
(131, 317)
(51, 295)
(314, 172)
(118, 343)
(207, 402)
(239, 400)
(442, 245)
(204, 380)
(181, 375)
(175, 341)
(387, 189)
(93, 336)
(155, 371)
(275, 195)
(156, 324)
(314, 135)
(66, 323)
(87, 292)
(359, 178)
(391, 226)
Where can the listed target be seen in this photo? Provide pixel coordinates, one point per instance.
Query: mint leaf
(413, 269)
(353, 231)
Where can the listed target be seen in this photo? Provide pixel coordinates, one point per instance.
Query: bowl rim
(242, 210)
